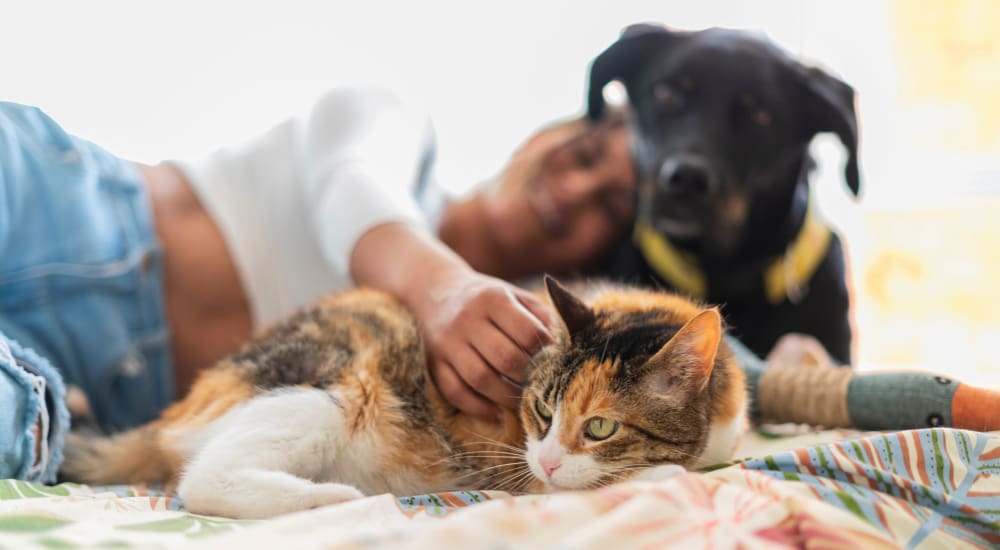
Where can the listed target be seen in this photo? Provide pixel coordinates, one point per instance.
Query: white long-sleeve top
(292, 203)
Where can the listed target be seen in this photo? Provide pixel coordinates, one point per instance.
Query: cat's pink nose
(549, 464)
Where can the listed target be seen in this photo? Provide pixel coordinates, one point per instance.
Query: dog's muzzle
(685, 177)
(682, 188)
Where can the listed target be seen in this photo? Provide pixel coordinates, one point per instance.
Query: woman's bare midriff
(207, 309)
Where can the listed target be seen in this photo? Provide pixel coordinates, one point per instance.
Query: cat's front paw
(326, 494)
(241, 498)
(660, 473)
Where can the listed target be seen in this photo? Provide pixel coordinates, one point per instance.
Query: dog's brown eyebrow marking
(687, 82)
(762, 117)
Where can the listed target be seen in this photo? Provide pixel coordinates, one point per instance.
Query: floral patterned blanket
(934, 488)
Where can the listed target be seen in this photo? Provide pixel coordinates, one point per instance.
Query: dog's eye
(761, 117)
(664, 94)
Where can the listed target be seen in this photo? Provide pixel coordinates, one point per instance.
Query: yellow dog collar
(785, 277)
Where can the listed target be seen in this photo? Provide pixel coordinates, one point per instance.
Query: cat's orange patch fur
(676, 309)
(585, 398)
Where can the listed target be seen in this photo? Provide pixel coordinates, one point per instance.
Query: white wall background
(155, 80)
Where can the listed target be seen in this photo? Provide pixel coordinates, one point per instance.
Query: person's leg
(33, 415)
(80, 280)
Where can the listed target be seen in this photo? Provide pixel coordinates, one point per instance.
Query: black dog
(720, 127)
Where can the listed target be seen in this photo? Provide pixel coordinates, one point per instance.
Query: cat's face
(622, 390)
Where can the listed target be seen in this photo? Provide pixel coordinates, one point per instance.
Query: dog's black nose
(686, 177)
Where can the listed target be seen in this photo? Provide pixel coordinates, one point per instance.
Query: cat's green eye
(601, 428)
(543, 410)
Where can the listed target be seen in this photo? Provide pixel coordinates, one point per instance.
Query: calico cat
(335, 403)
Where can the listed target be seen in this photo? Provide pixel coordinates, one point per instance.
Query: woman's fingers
(480, 334)
(458, 393)
(513, 334)
(485, 380)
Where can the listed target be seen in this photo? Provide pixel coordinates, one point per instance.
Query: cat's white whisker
(516, 471)
(484, 455)
(489, 454)
(516, 481)
(500, 480)
(488, 440)
(487, 469)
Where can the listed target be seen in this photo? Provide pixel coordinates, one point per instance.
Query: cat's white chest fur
(723, 440)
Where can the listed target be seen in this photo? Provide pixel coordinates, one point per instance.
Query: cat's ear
(686, 361)
(574, 313)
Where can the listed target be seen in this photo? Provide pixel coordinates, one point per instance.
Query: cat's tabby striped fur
(335, 403)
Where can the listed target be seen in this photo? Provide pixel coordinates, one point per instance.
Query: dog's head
(721, 127)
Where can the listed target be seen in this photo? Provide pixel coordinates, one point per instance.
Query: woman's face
(567, 194)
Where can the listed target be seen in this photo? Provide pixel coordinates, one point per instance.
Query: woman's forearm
(404, 261)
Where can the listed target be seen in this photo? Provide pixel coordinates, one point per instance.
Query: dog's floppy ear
(829, 107)
(621, 59)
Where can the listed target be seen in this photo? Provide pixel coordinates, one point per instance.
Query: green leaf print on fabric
(721, 465)
(30, 524)
(14, 489)
(113, 544)
(56, 544)
(192, 526)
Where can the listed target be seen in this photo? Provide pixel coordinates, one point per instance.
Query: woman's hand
(480, 332)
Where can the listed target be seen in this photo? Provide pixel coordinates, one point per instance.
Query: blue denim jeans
(81, 297)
